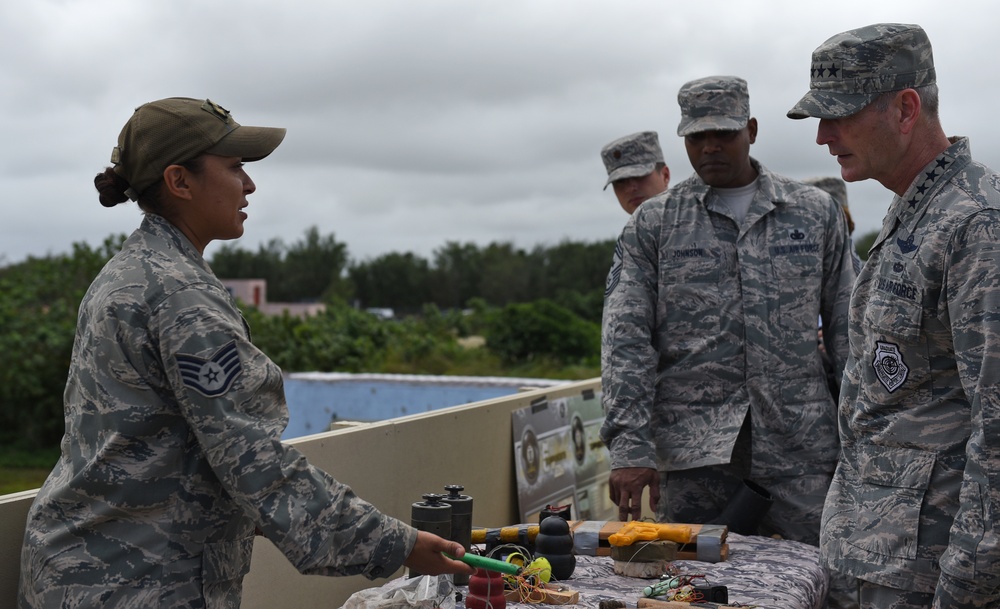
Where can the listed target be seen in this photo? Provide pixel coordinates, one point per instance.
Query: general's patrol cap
(851, 69)
(177, 129)
(632, 156)
(716, 103)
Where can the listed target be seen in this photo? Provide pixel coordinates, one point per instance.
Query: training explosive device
(635, 530)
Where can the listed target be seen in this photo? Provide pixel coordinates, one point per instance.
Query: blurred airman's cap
(716, 103)
(833, 186)
(836, 188)
(851, 69)
(632, 156)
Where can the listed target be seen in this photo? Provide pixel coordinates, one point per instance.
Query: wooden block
(562, 597)
(548, 594)
(654, 603)
(643, 570)
(685, 552)
(645, 551)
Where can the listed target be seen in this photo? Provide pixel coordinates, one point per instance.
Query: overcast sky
(414, 123)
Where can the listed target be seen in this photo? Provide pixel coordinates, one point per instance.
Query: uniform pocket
(692, 265)
(895, 310)
(798, 280)
(223, 566)
(801, 425)
(226, 560)
(893, 484)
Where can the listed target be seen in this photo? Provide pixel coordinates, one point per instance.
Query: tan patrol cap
(177, 129)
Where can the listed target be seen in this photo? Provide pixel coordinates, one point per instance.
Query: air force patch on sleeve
(214, 376)
(889, 366)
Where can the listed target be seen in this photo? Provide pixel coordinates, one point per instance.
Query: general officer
(914, 508)
(172, 454)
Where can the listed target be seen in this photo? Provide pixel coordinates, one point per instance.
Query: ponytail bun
(111, 187)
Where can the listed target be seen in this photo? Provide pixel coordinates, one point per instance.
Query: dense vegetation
(536, 313)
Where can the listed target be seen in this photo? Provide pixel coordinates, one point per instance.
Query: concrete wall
(389, 463)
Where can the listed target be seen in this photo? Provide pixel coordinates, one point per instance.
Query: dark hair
(111, 187)
(850, 220)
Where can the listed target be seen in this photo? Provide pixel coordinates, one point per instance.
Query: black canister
(554, 542)
(461, 521)
(432, 515)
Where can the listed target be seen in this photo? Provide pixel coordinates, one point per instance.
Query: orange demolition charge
(634, 530)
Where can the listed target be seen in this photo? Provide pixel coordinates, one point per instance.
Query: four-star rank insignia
(214, 376)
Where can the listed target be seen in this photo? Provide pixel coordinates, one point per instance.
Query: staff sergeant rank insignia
(889, 366)
(616, 270)
(214, 376)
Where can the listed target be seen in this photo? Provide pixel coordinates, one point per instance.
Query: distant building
(254, 292)
(382, 312)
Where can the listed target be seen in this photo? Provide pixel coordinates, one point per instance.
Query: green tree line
(535, 313)
(318, 268)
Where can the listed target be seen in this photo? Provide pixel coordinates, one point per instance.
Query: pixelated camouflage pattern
(759, 572)
(715, 103)
(632, 156)
(851, 69)
(709, 320)
(874, 596)
(835, 186)
(915, 501)
(798, 506)
(155, 498)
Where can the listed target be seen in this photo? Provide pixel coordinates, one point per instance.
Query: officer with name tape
(914, 508)
(172, 455)
(710, 370)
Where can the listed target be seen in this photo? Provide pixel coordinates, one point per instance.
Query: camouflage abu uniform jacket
(172, 455)
(917, 490)
(704, 321)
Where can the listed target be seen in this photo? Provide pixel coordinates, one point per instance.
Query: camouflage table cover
(760, 572)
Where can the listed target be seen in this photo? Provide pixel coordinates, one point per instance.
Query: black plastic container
(432, 515)
(461, 521)
(554, 542)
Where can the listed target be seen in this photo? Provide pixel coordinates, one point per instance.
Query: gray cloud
(412, 124)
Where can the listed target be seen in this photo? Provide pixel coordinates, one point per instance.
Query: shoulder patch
(214, 376)
(889, 366)
(616, 270)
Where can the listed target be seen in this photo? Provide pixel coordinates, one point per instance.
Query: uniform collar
(161, 227)
(907, 210)
(928, 181)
